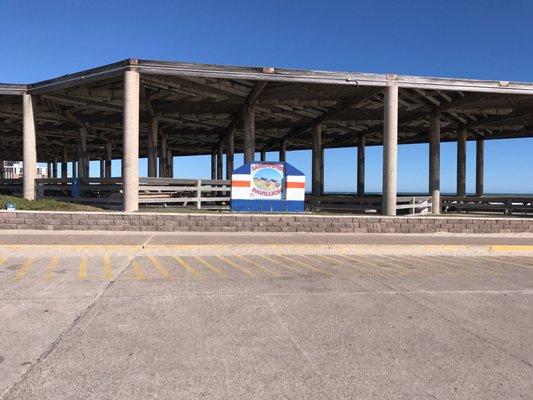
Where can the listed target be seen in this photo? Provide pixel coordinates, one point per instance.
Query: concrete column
(461, 163)
(64, 162)
(361, 148)
(131, 141)
(170, 164)
(230, 153)
(263, 155)
(153, 126)
(220, 158)
(82, 153)
(108, 159)
(213, 165)
(2, 170)
(163, 161)
(56, 175)
(316, 161)
(49, 171)
(390, 149)
(29, 148)
(249, 133)
(321, 170)
(102, 168)
(434, 161)
(283, 150)
(74, 169)
(480, 159)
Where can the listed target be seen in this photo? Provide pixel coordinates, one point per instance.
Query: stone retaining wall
(116, 221)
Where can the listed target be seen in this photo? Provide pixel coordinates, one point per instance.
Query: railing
(206, 194)
(496, 204)
(104, 192)
(368, 204)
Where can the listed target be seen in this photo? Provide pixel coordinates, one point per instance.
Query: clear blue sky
(471, 39)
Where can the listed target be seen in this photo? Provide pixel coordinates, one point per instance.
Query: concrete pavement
(147, 323)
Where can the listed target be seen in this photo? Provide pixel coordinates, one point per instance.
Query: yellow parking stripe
(519, 260)
(24, 269)
(305, 265)
(160, 267)
(235, 265)
(188, 267)
(137, 270)
(83, 268)
(108, 270)
(373, 268)
(51, 268)
(280, 263)
(261, 267)
(211, 266)
(505, 262)
(347, 266)
(2, 260)
(359, 266)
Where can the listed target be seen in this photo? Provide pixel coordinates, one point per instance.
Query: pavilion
(160, 110)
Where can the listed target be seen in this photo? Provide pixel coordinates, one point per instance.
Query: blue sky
(470, 39)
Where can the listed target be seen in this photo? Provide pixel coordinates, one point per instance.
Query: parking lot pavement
(146, 325)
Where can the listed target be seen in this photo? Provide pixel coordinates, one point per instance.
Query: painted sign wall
(267, 187)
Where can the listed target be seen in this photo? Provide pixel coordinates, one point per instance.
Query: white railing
(368, 204)
(203, 193)
(488, 204)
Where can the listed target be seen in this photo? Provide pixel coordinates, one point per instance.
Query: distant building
(14, 169)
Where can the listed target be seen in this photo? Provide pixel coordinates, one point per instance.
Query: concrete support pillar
(480, 159)
(316, 161)
(29, 148)
(461, 163)
(74, 169)
(220, 158)
(390, 149)
(153, 126)
(283, 150)
(361, 149)
(249, 133)
(2, 170)
(102, 168)
(230, 153)
(170, 164)
(108, 159)
(321, 170)
(64, 162)
(83, 164)
(56, 175)
(263, 155)
(131, 141)
(163, 161)
(213, 165)
(49, 171)
(434, 161)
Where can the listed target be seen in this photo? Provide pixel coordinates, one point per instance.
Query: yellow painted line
(341, 265)
(160, 267)
(505, 262)
(511, 247)
(188, 267)
(108, 270)
(2, 260)
(297, 262)
(137, 270)
(472, 267)
(375, 267)
(261, 267)
(83, 268)
(519, 260)
(278, 262)
(235, 265)
(417, 266)
(24, 269)
(52, 265)
(211, 266)
(360, 266)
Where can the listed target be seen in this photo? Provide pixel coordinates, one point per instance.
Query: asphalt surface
(142, 325)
